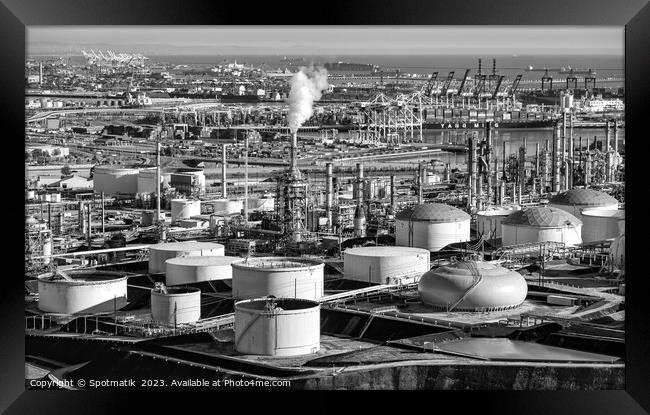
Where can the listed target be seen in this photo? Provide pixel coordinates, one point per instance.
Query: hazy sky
(326, 40)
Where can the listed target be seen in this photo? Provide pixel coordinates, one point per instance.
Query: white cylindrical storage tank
(541, 224)
(227, 206)
(599, 224)
(488, 222)
(56, 198)
(192, 269)
(30, 195)
(113, 180)
(160, 253)
(431, 226)
(277, 326)
(87, 292)
(472, 286)
(47, 197)
(575, 201)
(185, 209)
(147, 180)
(278, 276)
(179, 305)
(385, 264)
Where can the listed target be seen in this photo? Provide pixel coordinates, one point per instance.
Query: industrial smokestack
(503, 163)
(607, 140)
(328, 194)
(421, 173)
(588, 170)
(392, 194)
(294, 155)
(447, 173)
(359, 195)
(40, 73)
(616, 136)
(246, 177)
(488, 151)
(223, 171)
(556, 159)
(157, 179)
(472, 166)
(571, 166)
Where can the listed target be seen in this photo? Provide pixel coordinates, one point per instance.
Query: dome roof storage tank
(81, 291)
(541, 224)
(193, 269)
(175, 305)
(472, 286)
(277, 276)
(575, 201)
(160, 253)
(431, 226)
(113, 180)
(599, 224)
(488, 222)
(385, 264)
(277, 326)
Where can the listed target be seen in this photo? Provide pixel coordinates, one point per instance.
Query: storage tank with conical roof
(472, 286)
(541, 224)
(431, 226)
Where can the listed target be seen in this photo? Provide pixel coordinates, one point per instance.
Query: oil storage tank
(277, 326)
(113, 180)
(600, 224)
(277, 276)
(431, 226)
(176, 305)
(385, 264)
(488, 222)
(160, 253)
(193, 269)
(185, 209)
(227, 206)
(472, 286)
(81, 291)
(541, 224)
(576, 201)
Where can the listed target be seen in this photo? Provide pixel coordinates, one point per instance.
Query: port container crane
(447, 83)
(496, 88)
(515, 84)
(462, 84)
(429, 87)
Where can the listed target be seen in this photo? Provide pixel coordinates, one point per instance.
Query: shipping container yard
(323, 224)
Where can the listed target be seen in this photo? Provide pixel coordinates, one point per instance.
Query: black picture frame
(633, 14)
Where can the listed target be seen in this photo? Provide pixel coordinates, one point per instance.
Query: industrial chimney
(223, 171)
(328, 194)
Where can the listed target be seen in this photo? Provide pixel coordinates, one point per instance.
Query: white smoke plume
(307, 86)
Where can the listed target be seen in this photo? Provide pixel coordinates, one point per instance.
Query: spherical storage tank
(113, 180)
(277, 326)
(192, 269)
(431, 226)
(599, 224)
(472, 286)
(385, 264)
(541, 224)
(86, 291)
(185, 209)
(576, 201)
(277, 276)
(488, 222)
(178, 305)
(160, 253)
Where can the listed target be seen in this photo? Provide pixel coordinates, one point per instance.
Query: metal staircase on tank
(478, 277)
